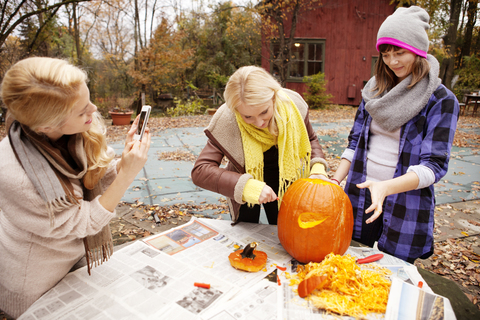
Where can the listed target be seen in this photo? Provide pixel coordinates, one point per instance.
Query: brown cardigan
(224, 140)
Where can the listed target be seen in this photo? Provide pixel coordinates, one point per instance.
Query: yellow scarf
(294, 147)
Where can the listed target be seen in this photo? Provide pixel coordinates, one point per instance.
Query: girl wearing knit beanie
(264, 132)
(400, 143)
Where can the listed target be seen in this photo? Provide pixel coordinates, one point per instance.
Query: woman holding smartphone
(59, 184)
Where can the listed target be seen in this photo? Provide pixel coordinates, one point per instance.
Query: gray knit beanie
(406, 28)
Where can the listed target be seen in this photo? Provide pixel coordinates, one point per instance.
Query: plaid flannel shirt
(426, 139)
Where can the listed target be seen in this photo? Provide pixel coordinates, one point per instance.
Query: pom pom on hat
(406, 28)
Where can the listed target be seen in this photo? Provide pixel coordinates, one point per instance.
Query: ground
(456, 257)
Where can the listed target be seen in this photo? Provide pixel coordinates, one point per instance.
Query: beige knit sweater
(33, 255)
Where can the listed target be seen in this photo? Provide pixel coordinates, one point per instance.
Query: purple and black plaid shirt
(426, 139)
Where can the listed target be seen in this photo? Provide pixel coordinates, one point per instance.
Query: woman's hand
(132, 130)
(267, 195)
(129, 141)
(378, 193)
(134, 155)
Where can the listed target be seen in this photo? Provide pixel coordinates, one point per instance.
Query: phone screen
(141, 121)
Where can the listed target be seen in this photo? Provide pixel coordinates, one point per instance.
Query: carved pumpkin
(315, 219)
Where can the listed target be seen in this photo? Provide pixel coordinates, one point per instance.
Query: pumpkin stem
(248, 251)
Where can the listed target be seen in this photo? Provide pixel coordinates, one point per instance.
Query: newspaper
(154, 279)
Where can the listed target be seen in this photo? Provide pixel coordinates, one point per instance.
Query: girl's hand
(134, 157)
(267, 195)
(378, 194)
(132, 130)
(129, 139)
(135, 153)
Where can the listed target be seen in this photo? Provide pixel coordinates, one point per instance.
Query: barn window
(307, 59)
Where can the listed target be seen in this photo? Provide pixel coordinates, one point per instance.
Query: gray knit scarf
(395, 107)
(50, 173)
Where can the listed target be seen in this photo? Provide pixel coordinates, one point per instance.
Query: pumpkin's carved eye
(310, 219)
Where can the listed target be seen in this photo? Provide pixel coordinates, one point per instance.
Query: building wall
(349, 28)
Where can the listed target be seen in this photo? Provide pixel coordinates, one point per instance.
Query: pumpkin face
(315, 219)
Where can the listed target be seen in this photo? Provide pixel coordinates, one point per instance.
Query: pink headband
(400, 44)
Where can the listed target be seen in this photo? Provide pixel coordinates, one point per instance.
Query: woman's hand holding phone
(134, 155)
(142, 122)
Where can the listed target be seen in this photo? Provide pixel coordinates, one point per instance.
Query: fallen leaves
(157, 125)
(123, 231)
(456, 260)
(178, 155)
(183, 211)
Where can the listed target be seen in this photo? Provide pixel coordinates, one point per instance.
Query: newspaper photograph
(407, 301)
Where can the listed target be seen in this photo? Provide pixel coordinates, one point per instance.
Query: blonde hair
(386, 78)
(253, 86)
(41, 92)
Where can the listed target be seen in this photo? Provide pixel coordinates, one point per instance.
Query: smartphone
(142, 122)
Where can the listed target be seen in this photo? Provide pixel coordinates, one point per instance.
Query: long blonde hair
(253, 86)
(386, 78)
(42, 92)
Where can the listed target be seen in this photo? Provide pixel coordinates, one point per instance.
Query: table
(474, 99)
(139, 274)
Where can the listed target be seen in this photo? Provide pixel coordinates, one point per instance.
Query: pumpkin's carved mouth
(310, 219)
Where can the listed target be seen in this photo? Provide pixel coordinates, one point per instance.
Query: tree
(10, 54)
(15, 12)
(109, 29)
(161, 64)
(448, 64)
(471, 20)
(223, 40)
(279, 23)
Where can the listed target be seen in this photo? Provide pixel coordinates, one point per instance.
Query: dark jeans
(271, 174)
(370, 232)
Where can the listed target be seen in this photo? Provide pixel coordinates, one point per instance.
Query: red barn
(338, 39)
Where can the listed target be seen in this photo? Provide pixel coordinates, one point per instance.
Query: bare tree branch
(7, 29)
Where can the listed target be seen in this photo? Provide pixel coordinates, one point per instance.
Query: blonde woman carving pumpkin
(265, 133)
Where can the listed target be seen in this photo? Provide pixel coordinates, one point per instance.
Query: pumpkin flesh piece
(308, 285)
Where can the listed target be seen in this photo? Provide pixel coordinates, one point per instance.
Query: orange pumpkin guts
(315, 219)
(248, 259)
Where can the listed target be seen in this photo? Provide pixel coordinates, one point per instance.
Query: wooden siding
(349, 28)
